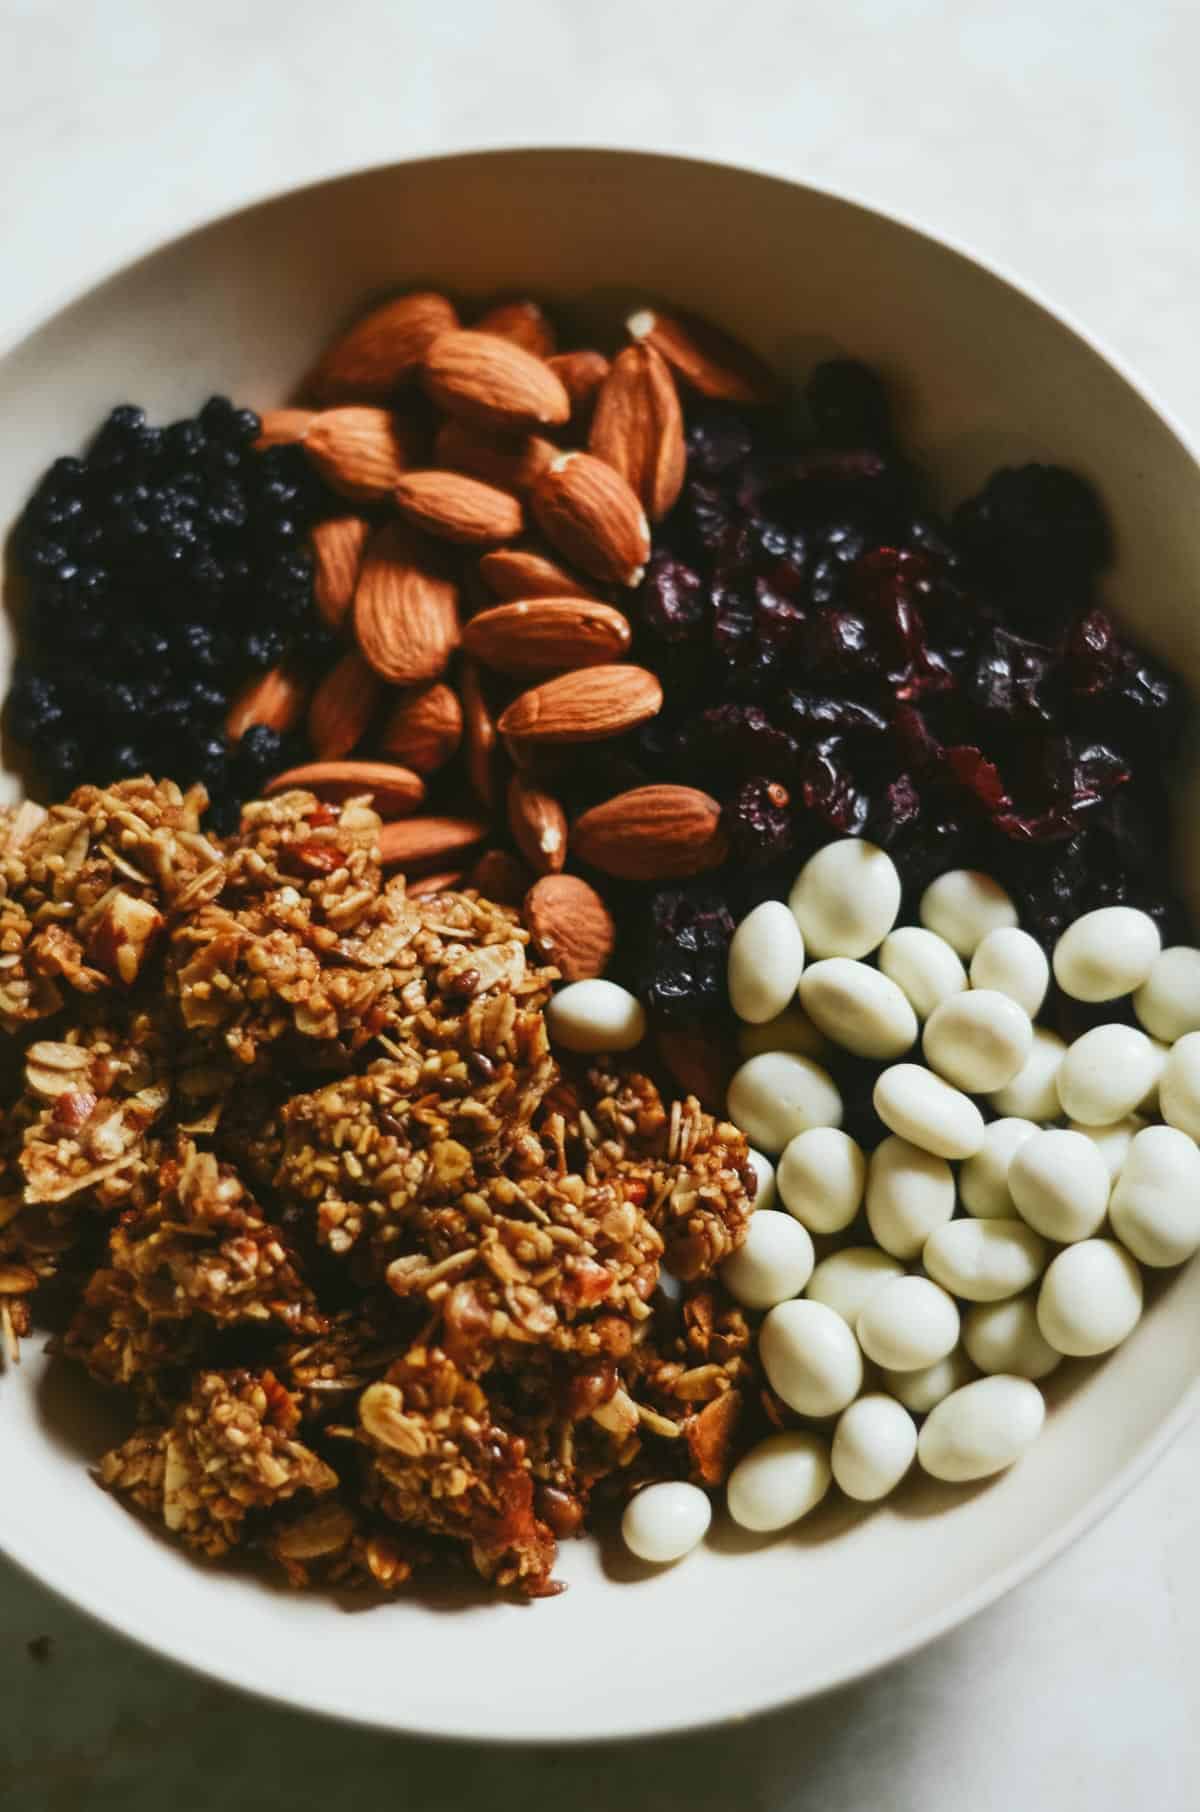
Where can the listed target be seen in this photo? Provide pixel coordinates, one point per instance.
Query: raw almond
(585, 706)
(570, 925)
(405, 609)
(394, 790)
(342, 707)
(337, 550)
(281, 427)
(638, 428)
(546, 635)
(654, 833)
(457, 508)
(382, 349)
(499, 876)
(524, 323)
(361, 452)
(582, 374)
(713, 362)
(415, 842)
(538, 824)
(591, 515)
(510, 464)
(276, 699)
(493, 383)
(515, 573)
(428, 885)
(479, 735)
(424, 728)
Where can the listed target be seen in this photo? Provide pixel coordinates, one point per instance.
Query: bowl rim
(79, 1592)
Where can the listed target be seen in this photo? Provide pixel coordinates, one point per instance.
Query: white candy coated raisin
(978, 1041)
(778, 1094)
(766, 957)
(846, 898)
(909, 1193)
(981, 1429)
(1106, 953)
(923, 965)
(874, 1445)
(820, 1178)
(595, 1016)
(664, 1522)
(1013, 963)
(963, 906)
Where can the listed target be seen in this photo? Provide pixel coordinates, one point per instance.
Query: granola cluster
(379, 1279)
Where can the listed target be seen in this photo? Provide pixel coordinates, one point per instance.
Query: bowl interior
(982, 375)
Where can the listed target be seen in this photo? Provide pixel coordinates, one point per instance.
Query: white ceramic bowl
(982, 374)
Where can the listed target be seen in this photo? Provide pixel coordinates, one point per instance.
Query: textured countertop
(1059, 139)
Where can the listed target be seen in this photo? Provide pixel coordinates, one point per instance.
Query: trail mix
(288, 1154)
(399, 1255)
(631, 616)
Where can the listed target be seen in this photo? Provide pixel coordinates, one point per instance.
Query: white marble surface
(1061, 138)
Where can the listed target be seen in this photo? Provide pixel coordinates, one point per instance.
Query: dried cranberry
(894, 815)
(707, 515)
(739, 741)
(811, 713)
(672, 600)
(837, 643)
(1014, 678)
(678, 969)
(829, 789)
(717, 439)
(758, 822)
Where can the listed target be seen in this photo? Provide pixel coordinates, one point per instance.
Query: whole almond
(509, 463)
(547, 635)
(426, 886)
(405, 609)
(538, 824)
(457, 508)
(282, 427)
(582, 374)
(638, 428)
(375, 356)
(418, 842)
(361, 452)
(525, 323)
(713, 362)
(276, 698)
(590, 514)
(585, 706)
(499, 876)
(394, 790)
(654, 833)
(493, 383)
(337, 550)
(481, 741)
(342, 706)
(525, 572)
(424, 728)
(570, 925)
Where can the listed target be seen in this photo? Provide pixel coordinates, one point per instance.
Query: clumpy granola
(378, 1278)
